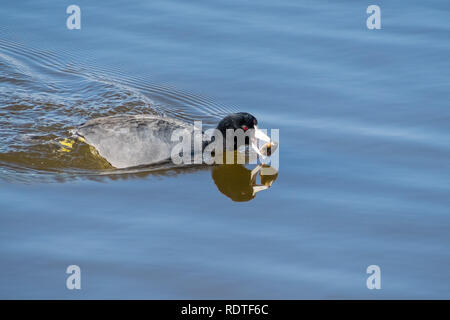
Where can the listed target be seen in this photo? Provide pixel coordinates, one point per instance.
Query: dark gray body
(132, 140)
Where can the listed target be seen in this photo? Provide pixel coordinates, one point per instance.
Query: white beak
(259, 135)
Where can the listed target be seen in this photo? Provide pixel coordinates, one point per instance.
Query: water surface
(364, 149)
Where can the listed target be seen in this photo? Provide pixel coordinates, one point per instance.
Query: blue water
(364, 176)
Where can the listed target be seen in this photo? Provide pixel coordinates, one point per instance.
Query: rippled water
(364, 150)
(45, 98)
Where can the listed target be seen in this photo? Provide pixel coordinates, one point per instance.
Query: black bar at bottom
(226, 309)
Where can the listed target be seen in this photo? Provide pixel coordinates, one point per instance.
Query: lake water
(364, 171)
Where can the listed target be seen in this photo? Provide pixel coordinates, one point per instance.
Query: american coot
(134, 140)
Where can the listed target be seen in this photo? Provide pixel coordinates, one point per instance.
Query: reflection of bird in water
(239, 183)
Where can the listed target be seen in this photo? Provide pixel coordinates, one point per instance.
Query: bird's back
(132, 140)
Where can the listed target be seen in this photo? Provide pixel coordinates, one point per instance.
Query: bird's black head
(239, 120)
(248, 124)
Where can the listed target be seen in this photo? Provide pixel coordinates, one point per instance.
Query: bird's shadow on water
(236, 181)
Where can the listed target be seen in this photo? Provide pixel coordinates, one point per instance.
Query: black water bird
(135, 140)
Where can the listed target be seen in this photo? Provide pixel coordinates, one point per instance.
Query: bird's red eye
(245, 128)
